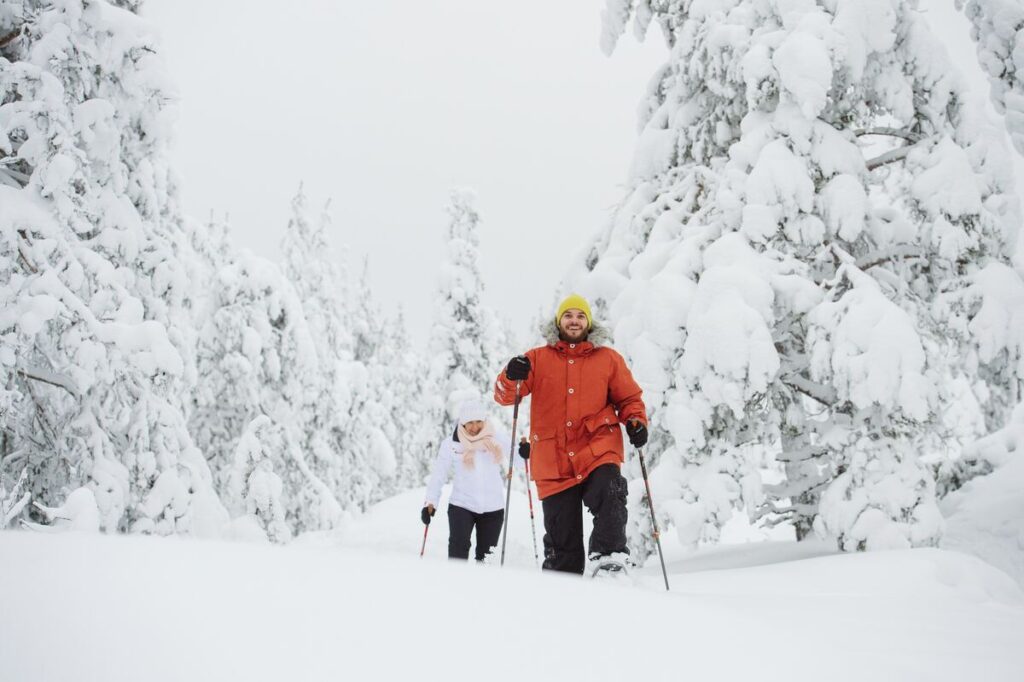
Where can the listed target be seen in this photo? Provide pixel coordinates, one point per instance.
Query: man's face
(474, 428)
(573, 325)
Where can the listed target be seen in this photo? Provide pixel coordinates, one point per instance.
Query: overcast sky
(384, 106)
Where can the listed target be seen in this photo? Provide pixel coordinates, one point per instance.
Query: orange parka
(581, 393)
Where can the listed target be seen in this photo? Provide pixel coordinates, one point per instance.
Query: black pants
(460, 527)
(604, 494)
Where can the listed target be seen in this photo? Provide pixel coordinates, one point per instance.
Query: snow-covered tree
(371, 449)
(403, 395)
(257, 361)
(95, 332)
(805, 264)
(345, 430)
(467, 344)
(998, 30)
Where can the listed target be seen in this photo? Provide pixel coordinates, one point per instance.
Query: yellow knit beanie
(579, 303)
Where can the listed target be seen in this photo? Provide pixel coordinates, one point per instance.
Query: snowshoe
(613, 566)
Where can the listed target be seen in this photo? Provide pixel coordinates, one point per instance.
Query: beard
(573, 337)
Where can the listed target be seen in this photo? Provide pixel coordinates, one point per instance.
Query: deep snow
(360, 603)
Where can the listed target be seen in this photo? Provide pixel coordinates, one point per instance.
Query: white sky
(384, 106)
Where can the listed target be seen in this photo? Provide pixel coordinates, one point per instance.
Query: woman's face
(474, 427)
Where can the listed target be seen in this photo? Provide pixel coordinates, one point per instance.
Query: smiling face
(474, 427)
(573, 326)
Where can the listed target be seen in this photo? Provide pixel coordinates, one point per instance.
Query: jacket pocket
(604, 435)
(544, 455)
(605, 417)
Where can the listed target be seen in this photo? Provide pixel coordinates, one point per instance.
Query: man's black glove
(524, 449)
(426, 513)
(637, 433)
(518, 368)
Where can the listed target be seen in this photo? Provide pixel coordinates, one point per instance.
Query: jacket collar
(599, 336)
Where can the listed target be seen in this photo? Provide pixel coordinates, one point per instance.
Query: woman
(476, 453)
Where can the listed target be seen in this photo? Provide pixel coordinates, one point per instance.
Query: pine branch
(48, 431)
(10, 37)
(13, 178)
(14, 510)
(826, 395)
(895, 253)
(803, 454)
(51, 378)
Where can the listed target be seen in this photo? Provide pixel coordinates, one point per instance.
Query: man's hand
(426, 513)
(518, 368)
(524, 448)
(637, 433)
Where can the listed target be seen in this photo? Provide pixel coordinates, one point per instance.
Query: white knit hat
(471, 410)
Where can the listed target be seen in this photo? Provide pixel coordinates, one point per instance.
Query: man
(582, 390)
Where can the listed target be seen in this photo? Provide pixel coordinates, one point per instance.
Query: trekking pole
(654, 521)
(511, 461)
(533, 526)
(424, 547)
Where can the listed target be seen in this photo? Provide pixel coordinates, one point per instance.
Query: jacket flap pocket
(542, 434)
(605, 417)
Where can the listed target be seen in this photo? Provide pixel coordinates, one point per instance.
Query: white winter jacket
(479, 489)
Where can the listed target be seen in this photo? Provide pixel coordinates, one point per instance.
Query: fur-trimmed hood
(599, 335)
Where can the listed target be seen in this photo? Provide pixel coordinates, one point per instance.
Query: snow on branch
(890, 156)
(9, 507)
(49, 377)
(895, 253)
(907, 135)
(826, 395)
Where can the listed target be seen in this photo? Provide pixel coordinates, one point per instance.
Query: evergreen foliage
(806, 263)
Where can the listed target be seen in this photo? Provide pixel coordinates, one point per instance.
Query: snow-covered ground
(361, 604)
(986, 518)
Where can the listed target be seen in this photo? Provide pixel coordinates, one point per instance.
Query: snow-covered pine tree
(467, 344)
(371, 449)
(343, 434)
(310, 266)
(404, 397)
(257, 361)
(801, 264)
(95, 335)
(998, 30)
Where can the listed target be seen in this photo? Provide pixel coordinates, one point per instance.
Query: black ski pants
(604, 494)
(460, 526)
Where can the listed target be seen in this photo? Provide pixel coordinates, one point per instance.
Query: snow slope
(361, 603)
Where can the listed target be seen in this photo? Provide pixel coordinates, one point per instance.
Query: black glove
(637, 433)
(524, 449)
(518, 368)
(426, 513)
